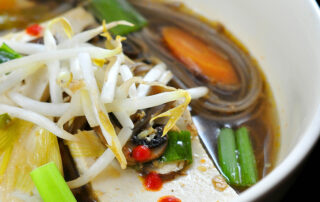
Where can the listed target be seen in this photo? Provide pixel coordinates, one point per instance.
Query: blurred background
(20, 13)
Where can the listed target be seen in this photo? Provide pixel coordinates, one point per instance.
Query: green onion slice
(6, 53)
(227, 156)
(113, 10)
(247, 160)
(51, 185)
(179, 147)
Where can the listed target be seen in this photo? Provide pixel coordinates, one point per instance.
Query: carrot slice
(198, 57)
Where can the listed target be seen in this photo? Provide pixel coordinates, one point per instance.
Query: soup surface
(260, 117)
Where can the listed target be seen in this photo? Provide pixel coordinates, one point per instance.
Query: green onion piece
(113, 10)
(249, 175)
(6, 53)
(227, 156)
(51, 185)
(4, 120)
(179, 147)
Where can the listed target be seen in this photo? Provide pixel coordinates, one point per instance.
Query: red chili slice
(169, 199)
(141, 153)
(153, 182)
(34, 30)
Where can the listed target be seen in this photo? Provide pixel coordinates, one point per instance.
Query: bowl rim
(288, 165)
(296, 156)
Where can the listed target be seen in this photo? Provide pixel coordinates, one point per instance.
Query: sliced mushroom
(152, 137)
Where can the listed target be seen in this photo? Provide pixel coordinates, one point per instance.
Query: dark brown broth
(265, 133)
(262, 122)
(264, 128)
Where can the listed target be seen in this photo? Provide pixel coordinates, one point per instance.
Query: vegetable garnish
(37, 119)
(89, 145)
(65, 24)
(112, 10)
(6, 53)
(236, 157)
(198, 57)
(44, 108)
(179, 147)
(153, 182)
(28, 147)
(182, 97)
(141, 153)
(50, 184)
(175, 113)
(227, 156)
(34, 30)
(99, 110)
(249, 175)
(169, 199)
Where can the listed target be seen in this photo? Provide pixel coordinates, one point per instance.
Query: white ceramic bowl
(284, 37)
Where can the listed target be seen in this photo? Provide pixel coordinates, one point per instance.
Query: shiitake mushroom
(152, 140)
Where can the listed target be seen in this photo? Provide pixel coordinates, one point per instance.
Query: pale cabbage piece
(28, 148)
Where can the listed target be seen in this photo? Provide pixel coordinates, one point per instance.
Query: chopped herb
(6, 53)
(179, 147)
(113, 10)
(227, 156)
(249, 174)
(50, 184)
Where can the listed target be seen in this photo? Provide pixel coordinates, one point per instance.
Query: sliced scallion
(247, 160)
(51, 185)
(113, 10)
(227, 156)
(179, 147)
(6, 53)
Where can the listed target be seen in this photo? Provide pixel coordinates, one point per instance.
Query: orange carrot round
(199, 57)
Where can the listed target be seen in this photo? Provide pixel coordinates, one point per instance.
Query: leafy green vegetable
(249, 174)
(50, 184)
(6, 53)
(227, 156)
(113, 10)
(179, 147)
(4, 120)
